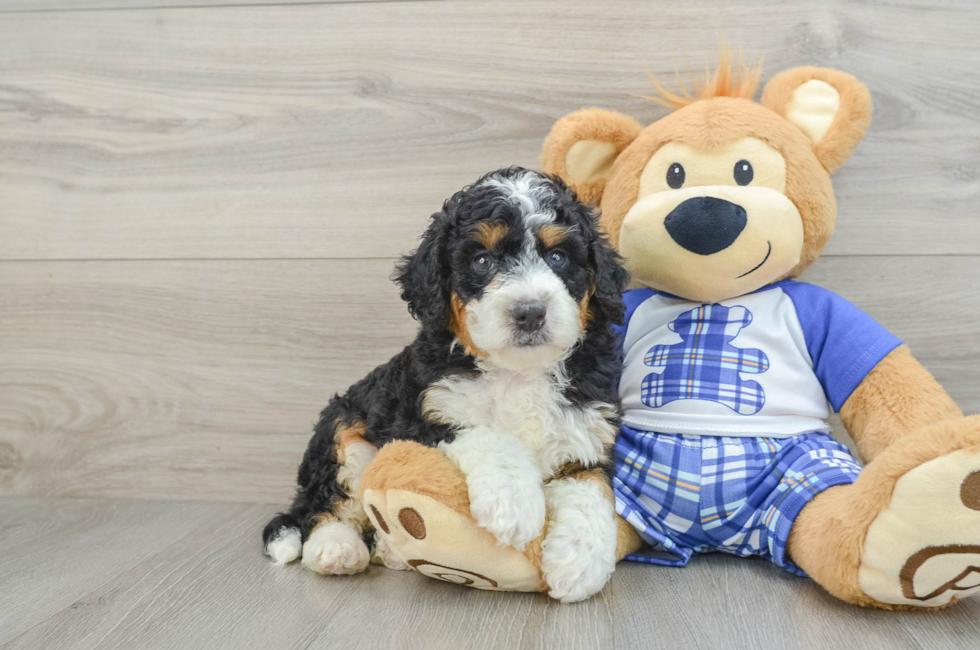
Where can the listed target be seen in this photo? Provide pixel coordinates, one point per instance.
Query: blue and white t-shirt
(770, 363)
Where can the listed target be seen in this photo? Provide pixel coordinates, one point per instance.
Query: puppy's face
(522, 269)
(520, 273)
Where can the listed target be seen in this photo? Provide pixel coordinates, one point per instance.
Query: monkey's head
(724, 195)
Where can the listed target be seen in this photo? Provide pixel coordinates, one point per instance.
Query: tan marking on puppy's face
(552, 235)
(488, 234)
(459, 327)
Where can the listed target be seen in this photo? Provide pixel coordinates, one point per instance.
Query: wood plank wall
(200, 206)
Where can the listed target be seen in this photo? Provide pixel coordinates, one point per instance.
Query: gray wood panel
(201, 379)
(53, 553)
(264, 132)
(210, 587)
(197, 379)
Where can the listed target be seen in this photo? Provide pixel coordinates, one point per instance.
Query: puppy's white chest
(519, 406)
(531, 409)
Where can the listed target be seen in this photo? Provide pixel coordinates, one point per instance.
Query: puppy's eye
(483, 263)
(744, 172)
(557, 260)
(676, 176)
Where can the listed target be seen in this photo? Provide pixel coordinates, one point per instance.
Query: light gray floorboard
(53, 553)
(199, 580)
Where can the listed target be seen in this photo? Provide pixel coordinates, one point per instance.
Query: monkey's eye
(744, 172)
(557, 260)
(483, 263)
(675, 176)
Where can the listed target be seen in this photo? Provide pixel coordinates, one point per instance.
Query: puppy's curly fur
(516, 291)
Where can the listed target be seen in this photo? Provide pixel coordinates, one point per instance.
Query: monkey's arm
(897, 397)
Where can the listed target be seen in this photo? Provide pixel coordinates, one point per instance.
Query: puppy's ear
(609, 275)
(424, 273)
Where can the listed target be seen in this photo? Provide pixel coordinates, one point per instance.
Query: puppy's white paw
(574, 568)
(504, 484)
(511, 508)
(285, 547)
(334, 548)
(579, 554)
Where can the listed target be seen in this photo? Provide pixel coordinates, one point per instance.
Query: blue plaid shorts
(697, 494)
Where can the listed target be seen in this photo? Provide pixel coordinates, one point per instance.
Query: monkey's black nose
(705, 224)
(529, 316)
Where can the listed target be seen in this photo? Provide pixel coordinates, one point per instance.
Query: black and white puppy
(513, 375)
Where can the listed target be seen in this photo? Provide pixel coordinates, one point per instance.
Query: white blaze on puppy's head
(525, 317)
(515, 270)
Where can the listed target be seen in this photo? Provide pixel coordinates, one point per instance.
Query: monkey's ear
(831, 107)
(582, 147)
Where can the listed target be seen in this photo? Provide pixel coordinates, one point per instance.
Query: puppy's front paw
(334, 548)
(579, 553)
(511, 509)
(574, 566)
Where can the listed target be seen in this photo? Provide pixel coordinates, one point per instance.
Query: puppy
(513, 374)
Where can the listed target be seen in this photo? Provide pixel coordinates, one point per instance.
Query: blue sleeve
(632, 299)
(844, 343)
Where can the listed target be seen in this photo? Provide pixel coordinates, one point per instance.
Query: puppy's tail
(282, 539)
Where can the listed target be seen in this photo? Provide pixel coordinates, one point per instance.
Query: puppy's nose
(529, 316)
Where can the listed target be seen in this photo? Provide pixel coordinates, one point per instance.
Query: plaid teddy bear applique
(705, 365)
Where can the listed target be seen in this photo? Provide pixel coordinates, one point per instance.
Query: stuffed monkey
(732, 367)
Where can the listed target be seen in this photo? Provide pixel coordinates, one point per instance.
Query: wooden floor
(200, 205)
(105, 573)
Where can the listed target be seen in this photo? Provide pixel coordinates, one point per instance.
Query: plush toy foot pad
(923, 549)
(383, 556)
(437, 541)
